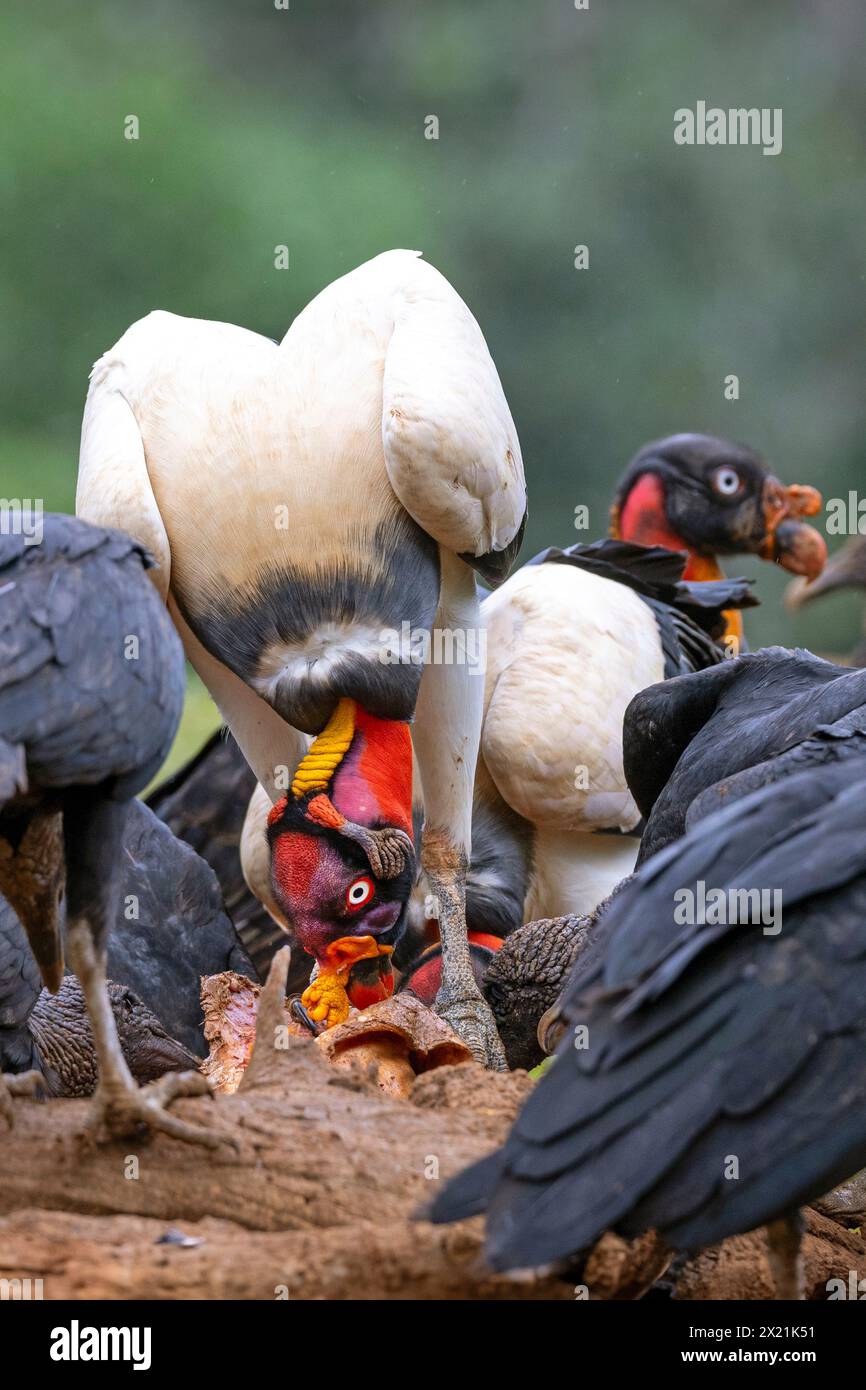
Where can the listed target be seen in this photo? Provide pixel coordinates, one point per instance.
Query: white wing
(450, 446)
(113, 484)
(566, 651)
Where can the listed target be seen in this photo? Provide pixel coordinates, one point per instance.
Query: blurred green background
(305, 127)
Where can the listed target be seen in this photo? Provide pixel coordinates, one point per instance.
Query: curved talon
(299, 1013)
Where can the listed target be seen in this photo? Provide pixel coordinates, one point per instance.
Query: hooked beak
(846, 569)
(327, 999)
(551, 1027)
(787, 539)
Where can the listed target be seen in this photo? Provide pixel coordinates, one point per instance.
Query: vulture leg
(31, 880)
(785, 1254)
(23, 1083)
(446, 736)
(93, 834)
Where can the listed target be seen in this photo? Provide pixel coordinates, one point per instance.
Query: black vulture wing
(719, 1082)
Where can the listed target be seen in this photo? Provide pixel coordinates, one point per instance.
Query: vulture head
(709, 497)
(343, 860)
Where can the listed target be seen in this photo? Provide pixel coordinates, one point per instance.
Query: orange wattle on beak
(787, 539)
(326, 998)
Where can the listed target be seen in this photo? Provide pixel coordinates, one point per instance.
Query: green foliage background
(304, 127)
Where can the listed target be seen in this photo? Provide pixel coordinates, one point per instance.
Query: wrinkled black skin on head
(65, 1051)
(525, 977)
(293, 818)
(709, 523)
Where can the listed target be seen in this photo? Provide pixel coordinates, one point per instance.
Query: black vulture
(156, 956)
(685, 735)
(91, 690)
(710, 1074)
(181, 931)
(47, 1039)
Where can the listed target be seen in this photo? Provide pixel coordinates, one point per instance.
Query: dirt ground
(315, 1201)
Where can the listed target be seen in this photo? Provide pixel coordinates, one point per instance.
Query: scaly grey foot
(472, 1020)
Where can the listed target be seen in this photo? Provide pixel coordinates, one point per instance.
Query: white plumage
(384, 378)
(243, 464)
(566, 652)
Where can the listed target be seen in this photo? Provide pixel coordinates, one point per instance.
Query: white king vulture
(309, 503)
(572, 637)
(555, 826)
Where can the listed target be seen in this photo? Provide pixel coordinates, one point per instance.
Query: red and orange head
(342, 857)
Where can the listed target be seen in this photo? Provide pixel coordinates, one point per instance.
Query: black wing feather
(747, 1051)
(73, 692)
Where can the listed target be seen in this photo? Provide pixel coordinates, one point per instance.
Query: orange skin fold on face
(804, 550)
(326, 998)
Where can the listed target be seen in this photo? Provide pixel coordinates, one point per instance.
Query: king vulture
(91, 690)
(554, 826)
(709, 497)
(310, 503)
(571, 638)
(710, 1075)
